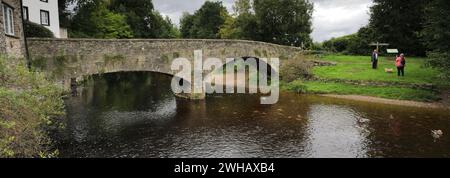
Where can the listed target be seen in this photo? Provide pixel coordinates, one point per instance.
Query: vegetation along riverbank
(352, 75)
(30, 105)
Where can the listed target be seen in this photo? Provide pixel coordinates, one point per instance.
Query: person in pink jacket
(400, 62)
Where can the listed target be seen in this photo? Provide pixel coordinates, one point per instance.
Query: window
(8, 18)
(45, 18)
(25, 13)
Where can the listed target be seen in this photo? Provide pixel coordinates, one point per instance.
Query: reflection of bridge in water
(76, 58)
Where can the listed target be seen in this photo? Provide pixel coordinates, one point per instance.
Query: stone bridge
(66, 59)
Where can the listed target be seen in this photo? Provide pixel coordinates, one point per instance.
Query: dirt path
(391, 101)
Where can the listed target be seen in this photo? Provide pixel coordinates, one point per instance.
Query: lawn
(359, 68)
(382, 92)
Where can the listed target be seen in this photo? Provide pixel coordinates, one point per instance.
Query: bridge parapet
(74, 58)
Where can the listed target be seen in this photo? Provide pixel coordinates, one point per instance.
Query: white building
(44, 12)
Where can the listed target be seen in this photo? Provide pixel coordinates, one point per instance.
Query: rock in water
(437, 134)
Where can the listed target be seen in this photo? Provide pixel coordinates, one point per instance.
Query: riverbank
(29, 105)
(352, 75)
(390, 101)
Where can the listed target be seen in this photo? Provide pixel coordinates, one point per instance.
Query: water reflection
(136, 115)
(336, 131)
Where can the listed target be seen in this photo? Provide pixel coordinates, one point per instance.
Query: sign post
(378, 44)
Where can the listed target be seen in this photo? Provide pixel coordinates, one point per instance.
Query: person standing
(375, 59)
(400, 62)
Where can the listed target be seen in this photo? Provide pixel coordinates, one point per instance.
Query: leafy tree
(118, 19)
(437, 35)
(242, 7)
(166, 29)
(399, 23)
(64, 14)
(111, 25)
(360, 43)
(286, 22)
(229, 30)
(206, 22)
(186, 24)
(139, 15)
(94, 20)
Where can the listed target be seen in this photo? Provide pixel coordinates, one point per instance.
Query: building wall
(34, 13)
(12, 45)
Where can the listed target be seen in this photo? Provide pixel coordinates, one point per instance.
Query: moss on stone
(257, 53)
(39, 63)
(112, 59)
(176, 55)
(165, 58)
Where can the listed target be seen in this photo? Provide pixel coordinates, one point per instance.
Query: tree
(139, 15)
(166, 28)
(206, 22)
(436, 34)
(93, 19)
(229, 30)
(399, 23)
(118, 19)
(286, 22)
(242, 7)
(186, 24)
(111, 25)
(64, 14)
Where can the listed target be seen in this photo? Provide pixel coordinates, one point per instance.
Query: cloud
(334, 18)
(175, 8)
(331, 18)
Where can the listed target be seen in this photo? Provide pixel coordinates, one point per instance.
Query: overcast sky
(331, 18)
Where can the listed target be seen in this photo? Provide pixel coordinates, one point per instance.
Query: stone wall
(80, 57)
(12, 45)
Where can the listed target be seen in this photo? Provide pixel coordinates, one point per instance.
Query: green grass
(316, 87)
(383, 92)
(359, 68)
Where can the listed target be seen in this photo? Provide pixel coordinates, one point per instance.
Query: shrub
(29, 106)
(296, 68)
(36, 30)
(296, 86)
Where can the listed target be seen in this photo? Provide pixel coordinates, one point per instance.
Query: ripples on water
(136, 115)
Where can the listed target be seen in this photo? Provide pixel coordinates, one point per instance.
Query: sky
(331, 18)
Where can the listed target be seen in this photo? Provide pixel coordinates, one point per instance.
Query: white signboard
(392, 51)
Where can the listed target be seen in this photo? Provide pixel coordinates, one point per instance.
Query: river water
(136, 115)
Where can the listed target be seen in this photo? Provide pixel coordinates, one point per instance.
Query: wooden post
(378, 44)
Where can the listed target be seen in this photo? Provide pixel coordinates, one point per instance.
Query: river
(136, 115)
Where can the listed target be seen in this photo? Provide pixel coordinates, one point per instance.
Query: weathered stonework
(73, 58)
(12, 45)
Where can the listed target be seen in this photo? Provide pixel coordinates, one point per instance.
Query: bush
(296, 68)
(36, 30)
(297, 86)
(29, 106)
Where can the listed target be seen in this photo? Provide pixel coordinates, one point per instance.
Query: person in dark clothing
(375, 59)
(400, 62)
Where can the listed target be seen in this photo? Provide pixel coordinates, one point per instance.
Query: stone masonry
(12, 45)
(74, 58)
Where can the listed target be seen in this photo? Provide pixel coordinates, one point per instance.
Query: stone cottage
(12, 42)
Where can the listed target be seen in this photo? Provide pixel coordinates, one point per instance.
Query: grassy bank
(358, 68)
(29, 104)
(315, 87)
